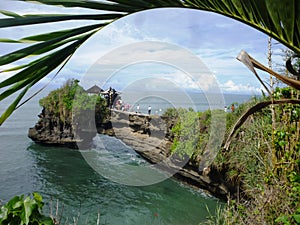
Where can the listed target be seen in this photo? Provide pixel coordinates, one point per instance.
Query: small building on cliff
(95, 90)
(111, 95)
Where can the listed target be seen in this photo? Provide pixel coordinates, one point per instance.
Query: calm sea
(159, 101)
(62, 175)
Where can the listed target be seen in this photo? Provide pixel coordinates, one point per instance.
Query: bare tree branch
(252, 110)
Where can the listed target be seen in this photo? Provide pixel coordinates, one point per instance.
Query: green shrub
(70, 99)
(24, 210)
(263, 160)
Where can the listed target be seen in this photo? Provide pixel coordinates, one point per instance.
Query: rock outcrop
(49, 130)
(150, 136)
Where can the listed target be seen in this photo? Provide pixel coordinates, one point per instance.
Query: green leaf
(297, 218)
(282, 143)
(29, 206)
(3, 214)
(9, 13)
(47, 45)
(283, 219)
(46, 220)
(18, 86)
(50, 63)
(63, 33)
(16, 202)
(89, 5)
(277, 18)
(45, 84)
(16, 68)
(273, 12)
(39, 199)
(12, 107)
(134, 3)
(8, 40)
(22, 78)
(30, 20)
(46, 63)
(13, 201)
(24, 211)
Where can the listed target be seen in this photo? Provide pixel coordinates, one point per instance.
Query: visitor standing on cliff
(232, 108)
(149, 109)
(138, 108)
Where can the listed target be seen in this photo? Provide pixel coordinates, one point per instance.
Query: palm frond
(10, 14)
(39, 19)
(13, 106)
(103, 5)
(46, 45)
(35, 71)
(279, 19)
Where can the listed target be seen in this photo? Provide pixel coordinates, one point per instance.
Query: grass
(264, 161)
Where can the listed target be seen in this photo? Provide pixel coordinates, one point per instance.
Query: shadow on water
(62, 174)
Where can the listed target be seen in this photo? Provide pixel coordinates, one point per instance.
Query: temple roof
(94, 90)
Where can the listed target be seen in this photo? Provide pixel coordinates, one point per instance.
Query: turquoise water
(62, 175)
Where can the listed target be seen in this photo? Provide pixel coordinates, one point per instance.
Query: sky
(154, 46)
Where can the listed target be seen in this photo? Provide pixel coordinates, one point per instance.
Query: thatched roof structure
(94, 90)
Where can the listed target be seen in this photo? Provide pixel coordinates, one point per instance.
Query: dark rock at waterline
(50, 132)
(51, 139)
(150, 136)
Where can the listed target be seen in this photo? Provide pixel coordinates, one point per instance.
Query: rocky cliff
(50, 130)
(150, 136)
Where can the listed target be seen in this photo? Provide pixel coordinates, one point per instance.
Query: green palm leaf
(113, 6)
(37, 70)
(47, 45)
(10, 14)
(34, 73)
(279, 19)
(38, 19)
(38, 66)
(13, 106)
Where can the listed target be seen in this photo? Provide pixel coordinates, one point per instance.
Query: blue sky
(216, 40)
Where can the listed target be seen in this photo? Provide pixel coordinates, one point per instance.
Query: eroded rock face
(50, 130)
(150, 136)
(137, 132)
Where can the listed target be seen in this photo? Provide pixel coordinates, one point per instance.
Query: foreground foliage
(264, 162)
(24, 211)
(190, 132)
(70, 100)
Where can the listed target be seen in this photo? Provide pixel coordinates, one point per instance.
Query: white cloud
(215, 39)
(232, 87)
(141, 60)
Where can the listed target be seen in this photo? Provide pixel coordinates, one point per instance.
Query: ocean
(160, 101)
(62, 175)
